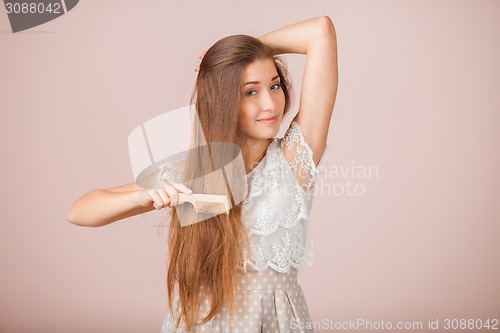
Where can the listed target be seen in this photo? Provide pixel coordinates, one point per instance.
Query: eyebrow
(258, 82)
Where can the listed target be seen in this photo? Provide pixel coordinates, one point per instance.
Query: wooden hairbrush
(207, 203)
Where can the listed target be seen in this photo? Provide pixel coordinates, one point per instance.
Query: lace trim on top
(276, 205)
(302, 162)
(273, 206)
(287, 252)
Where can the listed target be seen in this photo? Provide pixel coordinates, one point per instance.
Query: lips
(268, 118)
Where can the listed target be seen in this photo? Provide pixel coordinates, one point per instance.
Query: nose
(268, 101)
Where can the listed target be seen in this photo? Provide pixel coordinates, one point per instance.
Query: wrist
(138, 199)
(266, 40)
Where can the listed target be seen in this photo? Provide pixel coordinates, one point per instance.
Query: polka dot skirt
(267, 301)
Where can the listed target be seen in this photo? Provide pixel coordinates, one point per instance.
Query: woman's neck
(254, 151)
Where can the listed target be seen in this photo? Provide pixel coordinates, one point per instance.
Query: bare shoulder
(125, 188)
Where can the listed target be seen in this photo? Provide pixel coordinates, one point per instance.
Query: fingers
(197, 69)
(172, 190)
(183, 188)
(172, 193)
(159, 198)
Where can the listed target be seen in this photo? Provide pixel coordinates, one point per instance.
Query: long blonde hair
(205, 255)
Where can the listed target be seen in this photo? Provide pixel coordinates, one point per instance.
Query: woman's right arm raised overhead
(100, 207)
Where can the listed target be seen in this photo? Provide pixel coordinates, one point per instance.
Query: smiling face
(262, 101)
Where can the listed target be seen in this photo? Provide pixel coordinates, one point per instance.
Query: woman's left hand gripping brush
(168, 196)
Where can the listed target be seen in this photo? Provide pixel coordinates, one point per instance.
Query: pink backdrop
(411, 235)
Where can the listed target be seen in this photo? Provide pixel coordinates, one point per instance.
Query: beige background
(418, 101)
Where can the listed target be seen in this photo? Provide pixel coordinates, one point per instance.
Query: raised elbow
(325, 26)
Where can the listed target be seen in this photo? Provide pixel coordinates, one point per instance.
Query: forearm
(299, 37)
(100, 207)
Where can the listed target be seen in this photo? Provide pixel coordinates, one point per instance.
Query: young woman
(238, 272)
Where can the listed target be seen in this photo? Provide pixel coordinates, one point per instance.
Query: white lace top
(277, 204)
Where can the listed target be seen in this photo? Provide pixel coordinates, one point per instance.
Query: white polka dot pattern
(266, 302)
